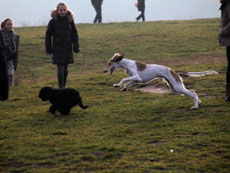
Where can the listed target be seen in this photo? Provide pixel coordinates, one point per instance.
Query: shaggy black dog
(61, 99)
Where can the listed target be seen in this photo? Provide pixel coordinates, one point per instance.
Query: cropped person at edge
(224, 39)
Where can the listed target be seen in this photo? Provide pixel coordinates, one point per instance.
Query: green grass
(121, 131)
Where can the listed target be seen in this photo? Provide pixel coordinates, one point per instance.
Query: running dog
(142, 73)
(61, 99)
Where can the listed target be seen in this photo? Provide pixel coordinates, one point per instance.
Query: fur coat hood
(61, 38)
(70, 15)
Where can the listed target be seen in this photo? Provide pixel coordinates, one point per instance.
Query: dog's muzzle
(111, 70)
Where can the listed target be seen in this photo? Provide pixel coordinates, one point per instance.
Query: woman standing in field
(61, 38)
(10, 42)
(224, 39)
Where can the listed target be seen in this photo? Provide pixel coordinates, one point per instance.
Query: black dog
(61, 99)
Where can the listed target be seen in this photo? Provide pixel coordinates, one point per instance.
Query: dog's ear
(45, 93)
(122, 54)
(118, 57)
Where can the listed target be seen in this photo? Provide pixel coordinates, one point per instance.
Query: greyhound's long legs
(180, 89)
(132, 78)
(126, 85)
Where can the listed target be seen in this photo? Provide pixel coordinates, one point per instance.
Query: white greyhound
(142, 73)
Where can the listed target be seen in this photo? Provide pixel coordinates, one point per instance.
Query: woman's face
(62, 10)
(8, 25)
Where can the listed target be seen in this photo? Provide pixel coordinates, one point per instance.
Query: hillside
(121, 131)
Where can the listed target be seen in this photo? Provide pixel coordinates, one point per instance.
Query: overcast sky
(37, 12)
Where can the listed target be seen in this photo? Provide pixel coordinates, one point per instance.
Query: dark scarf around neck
(9, 40)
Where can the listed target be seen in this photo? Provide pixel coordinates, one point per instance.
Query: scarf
(9, 40)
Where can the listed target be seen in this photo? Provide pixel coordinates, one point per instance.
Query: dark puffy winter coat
(61, 38)
(96, 2)
(4, 87)
(224, 34)
(141, 5)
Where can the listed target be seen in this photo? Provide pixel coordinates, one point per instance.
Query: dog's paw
(116, 86)
(85, 107)
(124, 89)
(51, 111)
(194, 107)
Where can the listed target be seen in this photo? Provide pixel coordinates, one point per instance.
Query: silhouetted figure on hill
(141, 7)
(97, 5)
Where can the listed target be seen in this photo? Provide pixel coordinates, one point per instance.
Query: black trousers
(228, 65)
(62, 72)
(98, 17)
(142, 15)
(4, 86)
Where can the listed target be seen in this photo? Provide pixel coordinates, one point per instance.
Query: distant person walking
(141, 7)
(10, 45)
(224, 39)
(97, 6)
(61, 40)
(4, 86)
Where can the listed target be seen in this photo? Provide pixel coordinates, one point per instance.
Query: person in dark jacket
(224, 39)
(61, 40)
(4, 87)
(97, 6)
(141, 7)
(10, 46)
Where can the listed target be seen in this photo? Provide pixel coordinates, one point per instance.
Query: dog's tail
(81, 105)
(196, 74)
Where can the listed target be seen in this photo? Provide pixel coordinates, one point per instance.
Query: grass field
(121, 131)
